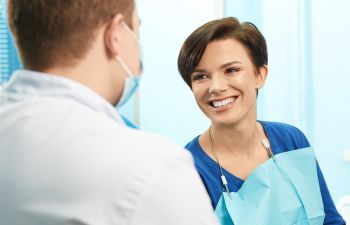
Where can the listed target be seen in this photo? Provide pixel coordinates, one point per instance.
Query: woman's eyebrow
(199, 70)
(229, 64)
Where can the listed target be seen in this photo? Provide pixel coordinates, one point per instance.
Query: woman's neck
(240, 139)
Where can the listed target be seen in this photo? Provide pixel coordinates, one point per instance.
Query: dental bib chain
(213, 151)
(264, 142)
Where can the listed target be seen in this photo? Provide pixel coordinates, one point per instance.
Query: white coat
(67, 158)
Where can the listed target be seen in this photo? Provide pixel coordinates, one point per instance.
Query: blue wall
(331, 54)
(167, 105)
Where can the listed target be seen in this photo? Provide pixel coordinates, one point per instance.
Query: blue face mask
(132, 81)
(131, 84)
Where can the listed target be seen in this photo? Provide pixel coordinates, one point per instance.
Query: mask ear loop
(124, 66)
(120, 61)
(132, 33)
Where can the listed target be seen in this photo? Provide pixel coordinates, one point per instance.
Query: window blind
(9, 60)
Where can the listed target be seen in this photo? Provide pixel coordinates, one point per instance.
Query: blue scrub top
(282, 137)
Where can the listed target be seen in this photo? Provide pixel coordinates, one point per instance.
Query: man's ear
(113, 34)
(261, 76)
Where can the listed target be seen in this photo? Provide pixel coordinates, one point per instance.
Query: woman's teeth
(222, 103)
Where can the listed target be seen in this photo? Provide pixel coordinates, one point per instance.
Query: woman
(248, 166)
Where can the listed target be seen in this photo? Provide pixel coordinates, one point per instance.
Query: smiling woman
(256, 172)
(213, 77)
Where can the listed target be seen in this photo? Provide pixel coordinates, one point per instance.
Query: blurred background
(308, 43)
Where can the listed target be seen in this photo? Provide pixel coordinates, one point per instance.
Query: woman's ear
(261, 76)
(113, 35)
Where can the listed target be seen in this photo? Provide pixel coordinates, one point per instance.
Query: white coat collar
(28, 82)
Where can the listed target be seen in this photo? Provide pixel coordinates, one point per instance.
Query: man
(66, 157)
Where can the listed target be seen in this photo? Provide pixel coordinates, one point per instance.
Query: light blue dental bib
(281, 192)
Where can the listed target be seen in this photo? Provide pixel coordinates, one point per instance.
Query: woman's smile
(223, 104)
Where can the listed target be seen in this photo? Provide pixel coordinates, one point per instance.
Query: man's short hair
(59, 32)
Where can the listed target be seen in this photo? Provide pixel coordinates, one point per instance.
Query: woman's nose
(217, 85)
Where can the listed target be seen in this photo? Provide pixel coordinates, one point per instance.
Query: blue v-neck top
(282, 138)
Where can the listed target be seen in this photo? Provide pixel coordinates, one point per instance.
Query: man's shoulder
(68, 124)
(100, 128)
(68, 133)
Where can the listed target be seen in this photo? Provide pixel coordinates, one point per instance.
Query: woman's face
(225, 81)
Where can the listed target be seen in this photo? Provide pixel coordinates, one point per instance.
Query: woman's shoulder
(284, 128)
(201, 159)
(285, 136)
(193, 145)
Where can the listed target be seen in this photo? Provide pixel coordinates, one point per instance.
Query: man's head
(58, 32)
(86, 35)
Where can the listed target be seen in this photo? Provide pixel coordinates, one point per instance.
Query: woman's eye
(231, 70)
(199, 77)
